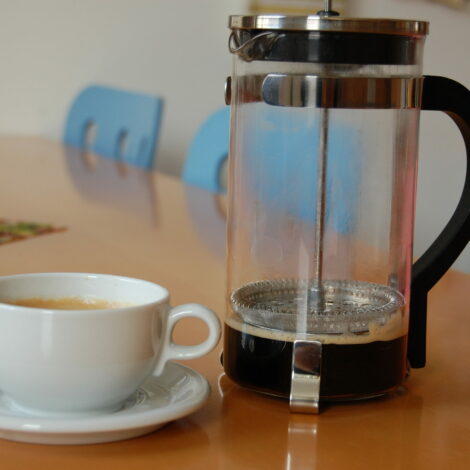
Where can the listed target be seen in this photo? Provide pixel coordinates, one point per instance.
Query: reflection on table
(208, 214)
(112, 182)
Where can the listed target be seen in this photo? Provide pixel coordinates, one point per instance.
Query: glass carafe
(323, 301)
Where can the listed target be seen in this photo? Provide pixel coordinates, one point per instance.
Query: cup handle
(172, 350)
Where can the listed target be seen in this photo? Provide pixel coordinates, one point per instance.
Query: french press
(323, 300)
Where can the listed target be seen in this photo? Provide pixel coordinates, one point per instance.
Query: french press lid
(327, 38)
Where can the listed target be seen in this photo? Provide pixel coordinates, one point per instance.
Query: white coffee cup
(67, 362)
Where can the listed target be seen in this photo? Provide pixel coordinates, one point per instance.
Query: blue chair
(208, 151)
(283, 174)
(126, 124)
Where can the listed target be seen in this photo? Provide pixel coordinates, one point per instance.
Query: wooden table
(119, 220)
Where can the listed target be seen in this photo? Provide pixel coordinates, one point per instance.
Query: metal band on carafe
(302, 90)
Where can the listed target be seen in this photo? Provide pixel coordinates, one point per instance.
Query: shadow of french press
(379, 433)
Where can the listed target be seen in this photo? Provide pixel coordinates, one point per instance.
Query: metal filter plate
(292, 305)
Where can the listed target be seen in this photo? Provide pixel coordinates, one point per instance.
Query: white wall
(50, 49)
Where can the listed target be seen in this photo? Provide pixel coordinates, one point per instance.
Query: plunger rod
(320, 212)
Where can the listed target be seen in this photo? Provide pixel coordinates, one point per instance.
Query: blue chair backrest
(208, 151)
(126, 124)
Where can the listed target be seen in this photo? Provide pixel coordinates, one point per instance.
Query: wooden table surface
(148, 225)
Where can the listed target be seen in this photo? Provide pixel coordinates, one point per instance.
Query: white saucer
(176, 393)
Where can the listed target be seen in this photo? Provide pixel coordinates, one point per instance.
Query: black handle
(440, 94)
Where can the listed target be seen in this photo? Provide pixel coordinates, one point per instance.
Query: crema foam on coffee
(64, 303)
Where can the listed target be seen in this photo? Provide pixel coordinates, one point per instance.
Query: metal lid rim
(333, 24)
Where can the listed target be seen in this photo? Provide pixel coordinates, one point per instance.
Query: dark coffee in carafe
(262, 360)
